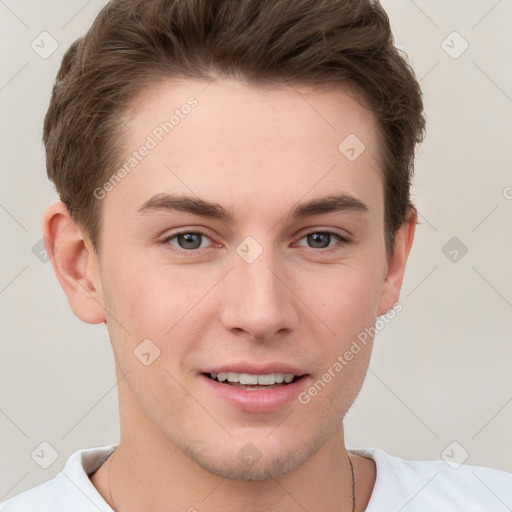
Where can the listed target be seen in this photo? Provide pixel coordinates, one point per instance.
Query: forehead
(265, 114)
(226, 140)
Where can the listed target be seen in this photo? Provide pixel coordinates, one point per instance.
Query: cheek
(134, 311)
(147, 298)
(169, 306)
(347, 302)
(348, 297)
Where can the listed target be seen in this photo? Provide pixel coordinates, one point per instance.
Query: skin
(257, 152)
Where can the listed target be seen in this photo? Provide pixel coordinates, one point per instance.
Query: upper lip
(257, 369)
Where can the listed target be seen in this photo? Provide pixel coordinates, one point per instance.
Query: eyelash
(190, 252)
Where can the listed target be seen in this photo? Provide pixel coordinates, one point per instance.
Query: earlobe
(390, 292)
(75, 263)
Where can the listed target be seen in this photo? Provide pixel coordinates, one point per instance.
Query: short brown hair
(134, 43)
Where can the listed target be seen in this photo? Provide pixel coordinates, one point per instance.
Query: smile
(253, 381)
(255, 391)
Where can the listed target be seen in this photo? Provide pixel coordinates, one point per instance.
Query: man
(235, 178)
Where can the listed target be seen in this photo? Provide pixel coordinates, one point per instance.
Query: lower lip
(257, 400)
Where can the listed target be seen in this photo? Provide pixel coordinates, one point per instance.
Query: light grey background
(440, 372)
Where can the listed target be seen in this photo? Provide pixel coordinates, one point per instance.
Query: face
(243, 245)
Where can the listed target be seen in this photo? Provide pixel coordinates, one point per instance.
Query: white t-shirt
(401, 485)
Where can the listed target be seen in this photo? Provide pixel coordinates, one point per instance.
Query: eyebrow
(198, 206)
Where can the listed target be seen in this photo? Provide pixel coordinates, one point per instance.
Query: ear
(75, 263)
(390, 292)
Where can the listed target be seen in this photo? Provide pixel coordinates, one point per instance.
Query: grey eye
(188, 241)
(319, 240)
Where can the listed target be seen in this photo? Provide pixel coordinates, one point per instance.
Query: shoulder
(70, 490)
(419, 485)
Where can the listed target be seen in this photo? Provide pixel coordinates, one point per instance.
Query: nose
(258, 299)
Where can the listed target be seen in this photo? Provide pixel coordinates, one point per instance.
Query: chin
(250, 463)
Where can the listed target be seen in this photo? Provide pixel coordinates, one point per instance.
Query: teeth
(233, 377)
(267, 380)
(248, 379)
(245, 378)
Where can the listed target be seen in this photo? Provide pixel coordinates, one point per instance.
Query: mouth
(254, 382)
(255, 388)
